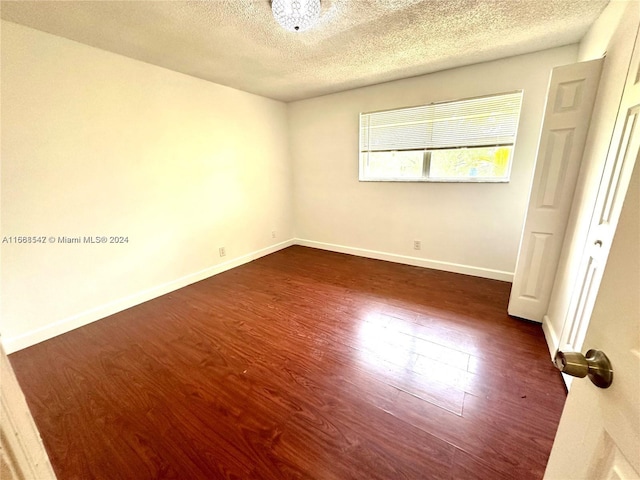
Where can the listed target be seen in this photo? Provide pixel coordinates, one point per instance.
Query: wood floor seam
(303, 364)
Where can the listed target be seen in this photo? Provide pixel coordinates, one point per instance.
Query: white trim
(416, 261)
(22, 451)
(81, 319)
(550, 335)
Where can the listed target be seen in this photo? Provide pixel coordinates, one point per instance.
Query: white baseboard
(550, 335)
(13, 344)
(418, 262)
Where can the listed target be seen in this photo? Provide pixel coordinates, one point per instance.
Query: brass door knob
(595, 365)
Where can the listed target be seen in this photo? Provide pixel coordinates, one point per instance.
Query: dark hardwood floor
(302, 364)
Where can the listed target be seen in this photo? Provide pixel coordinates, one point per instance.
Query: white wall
(468, 228)
(94, 143)
(613, 33)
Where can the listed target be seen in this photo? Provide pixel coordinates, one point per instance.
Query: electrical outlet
(222, 251)
(417, 244)
(273, 234)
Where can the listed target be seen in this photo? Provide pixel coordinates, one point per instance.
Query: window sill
(436, 180)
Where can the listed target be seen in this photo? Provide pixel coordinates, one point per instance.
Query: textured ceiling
(355, 43)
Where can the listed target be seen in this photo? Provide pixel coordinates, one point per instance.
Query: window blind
(475, 122)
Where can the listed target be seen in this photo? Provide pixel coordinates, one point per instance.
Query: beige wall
(94, 143)
(613, 33)
(469, 228)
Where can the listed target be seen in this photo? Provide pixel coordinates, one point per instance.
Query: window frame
(427, 152)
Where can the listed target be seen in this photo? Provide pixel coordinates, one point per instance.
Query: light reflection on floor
(381, 347)
(397, 351)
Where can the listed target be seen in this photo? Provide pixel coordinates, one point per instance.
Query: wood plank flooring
(302, 364)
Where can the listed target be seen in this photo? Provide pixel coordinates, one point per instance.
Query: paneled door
(570, 99)
(621, 158)
(599, 433)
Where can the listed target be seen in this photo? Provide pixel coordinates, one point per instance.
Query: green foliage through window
(467, 140)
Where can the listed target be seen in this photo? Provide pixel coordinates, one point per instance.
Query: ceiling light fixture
(296, 15)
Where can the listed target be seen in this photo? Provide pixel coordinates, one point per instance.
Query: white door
(599, 433)
(619, 164)
(570, 98)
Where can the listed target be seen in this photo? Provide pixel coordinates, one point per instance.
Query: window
(468, 140)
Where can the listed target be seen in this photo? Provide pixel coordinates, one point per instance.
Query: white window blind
(462, 141)
(476, 122)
